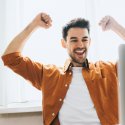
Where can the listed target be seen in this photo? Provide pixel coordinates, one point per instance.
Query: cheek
(87, 45)
(70, 49)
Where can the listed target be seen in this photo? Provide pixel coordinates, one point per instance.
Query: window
(44, 45)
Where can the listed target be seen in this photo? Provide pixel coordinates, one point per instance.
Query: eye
(74, 40)
(84, 40)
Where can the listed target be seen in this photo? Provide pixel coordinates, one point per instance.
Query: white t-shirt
(78, 108)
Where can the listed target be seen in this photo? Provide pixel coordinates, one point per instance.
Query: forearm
(118, 29)
(17, 44)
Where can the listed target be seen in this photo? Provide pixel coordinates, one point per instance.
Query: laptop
(121, 75)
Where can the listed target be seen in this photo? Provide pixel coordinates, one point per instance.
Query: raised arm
(109, 23)
(17, 44)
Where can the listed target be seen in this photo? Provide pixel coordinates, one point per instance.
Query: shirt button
(70, 73)
(53, 114)
(60, 99)
(66, 85)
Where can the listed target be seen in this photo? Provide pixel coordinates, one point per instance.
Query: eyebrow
(85, 37)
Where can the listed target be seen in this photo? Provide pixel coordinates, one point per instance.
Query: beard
(78, 59)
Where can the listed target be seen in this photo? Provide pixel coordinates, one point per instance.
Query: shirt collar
(68, 65)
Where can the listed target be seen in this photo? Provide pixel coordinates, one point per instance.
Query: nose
(80, 44)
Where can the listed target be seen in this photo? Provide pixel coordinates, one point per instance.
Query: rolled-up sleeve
(25, 67)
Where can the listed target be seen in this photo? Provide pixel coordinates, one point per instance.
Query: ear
(63, 42)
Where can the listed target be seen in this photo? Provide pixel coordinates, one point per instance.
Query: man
(80, 93)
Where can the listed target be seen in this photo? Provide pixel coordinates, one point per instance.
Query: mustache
(79, 49)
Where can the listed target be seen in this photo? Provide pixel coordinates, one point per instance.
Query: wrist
(33, 25)
(115, 27)
(118, 29)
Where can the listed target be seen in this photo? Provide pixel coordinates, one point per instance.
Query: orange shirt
(101, 80)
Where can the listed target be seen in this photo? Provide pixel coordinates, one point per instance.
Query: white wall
(2, 33)
(21, 119)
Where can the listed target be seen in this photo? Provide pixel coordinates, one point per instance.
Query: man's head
(76, 40)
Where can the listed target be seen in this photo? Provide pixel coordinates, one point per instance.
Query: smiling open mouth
(80, 52)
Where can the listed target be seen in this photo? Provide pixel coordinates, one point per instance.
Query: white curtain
(44, 45)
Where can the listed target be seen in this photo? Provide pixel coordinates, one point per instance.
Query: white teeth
(79, 51)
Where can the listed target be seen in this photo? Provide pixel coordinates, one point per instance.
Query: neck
(77, 64)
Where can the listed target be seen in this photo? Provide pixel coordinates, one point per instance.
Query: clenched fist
(108, 23)
(43, 20)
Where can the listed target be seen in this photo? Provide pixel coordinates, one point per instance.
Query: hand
(108, 23)
(43, 20)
